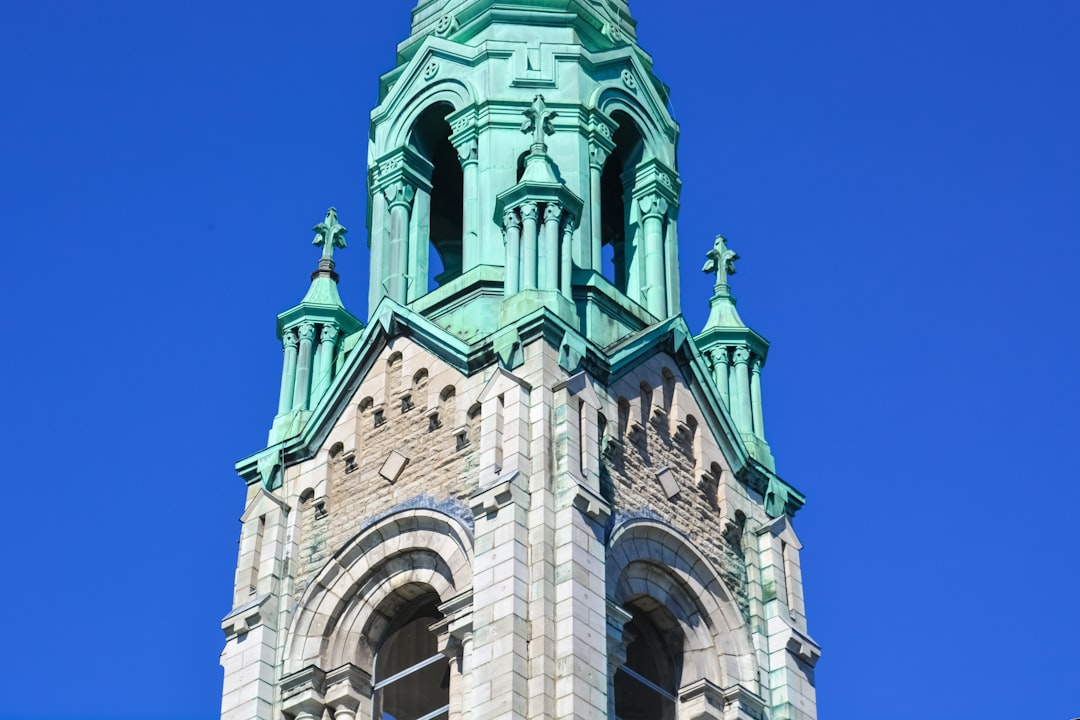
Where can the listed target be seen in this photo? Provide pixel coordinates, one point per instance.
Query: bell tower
(521, 487)
(526, 160)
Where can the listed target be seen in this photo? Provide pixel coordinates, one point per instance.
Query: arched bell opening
(411, 677)
(616, 192)
(646, 685)
(445, 203)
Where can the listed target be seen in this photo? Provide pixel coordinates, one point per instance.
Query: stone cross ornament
(721, 261)
(538, 120)
(329, 234)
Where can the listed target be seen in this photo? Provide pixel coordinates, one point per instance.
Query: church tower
(521, 487)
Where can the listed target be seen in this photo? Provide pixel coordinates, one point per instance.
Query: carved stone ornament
(329, 333)
(653, 205)
(307, 331)
(613, 33)
(597, 156)
(741, 356)
(721, 260)
(510, 220)
(467, 152)
(529, 211)
(399, 193)
(390, 166)
(288, 340)
(431, 70)
(460, 124)
(538, 120)
(552, 213)
(329, 234)
(628, 80)
(446, 25)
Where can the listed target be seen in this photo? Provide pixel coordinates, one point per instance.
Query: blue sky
(901, 179)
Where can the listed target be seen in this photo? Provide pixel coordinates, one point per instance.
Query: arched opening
(616, 191)
(411, 678)
(444, 219)
(646, 685)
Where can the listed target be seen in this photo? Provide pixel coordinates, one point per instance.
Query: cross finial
(538, 120)
(330, 234)
(721, 262)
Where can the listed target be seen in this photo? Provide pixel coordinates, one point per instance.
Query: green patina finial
(538, 120)
(329, 234)
(721, 262)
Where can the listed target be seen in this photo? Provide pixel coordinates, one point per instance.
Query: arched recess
(413, 164)
(401, 116)
(440, 209)
(353, 600)
(661, 578)
(616, 201)
(636, 220)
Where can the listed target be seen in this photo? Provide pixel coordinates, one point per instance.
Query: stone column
(597, 157)
(470, 211)
(755, 396)
(721, 360)
(399, 197)
(618, 640)
(288, 372)
(512, 240)
(377, 276)
(740, 391)
(529, 213)
(671, 266)
(302, 390)
(549, 251)
(419, 248)
(653, 208)
(567, 253)
(328, 341)
(465, 678)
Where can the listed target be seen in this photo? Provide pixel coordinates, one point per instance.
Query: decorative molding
(393, 466)
(446, 25)
(668, 482)
(246, 617)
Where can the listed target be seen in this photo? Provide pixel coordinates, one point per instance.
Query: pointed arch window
(412, 678)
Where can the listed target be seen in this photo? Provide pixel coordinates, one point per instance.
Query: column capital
(468, 152)
(347, 687)
(720, 355)
(302, 694)
(306, 330)
(653, 205)
(329, 334)
(756, 363)
(741, 356)
(399, 194)
(529, 211)
(289, 339)
(553, 212)
(598, 156)
(511, 220)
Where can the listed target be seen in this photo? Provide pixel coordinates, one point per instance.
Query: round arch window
(412, 678)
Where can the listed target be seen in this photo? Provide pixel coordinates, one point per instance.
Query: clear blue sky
(902, 180)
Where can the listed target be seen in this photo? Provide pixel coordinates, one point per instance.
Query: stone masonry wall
(411, 403)
(653, 423)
